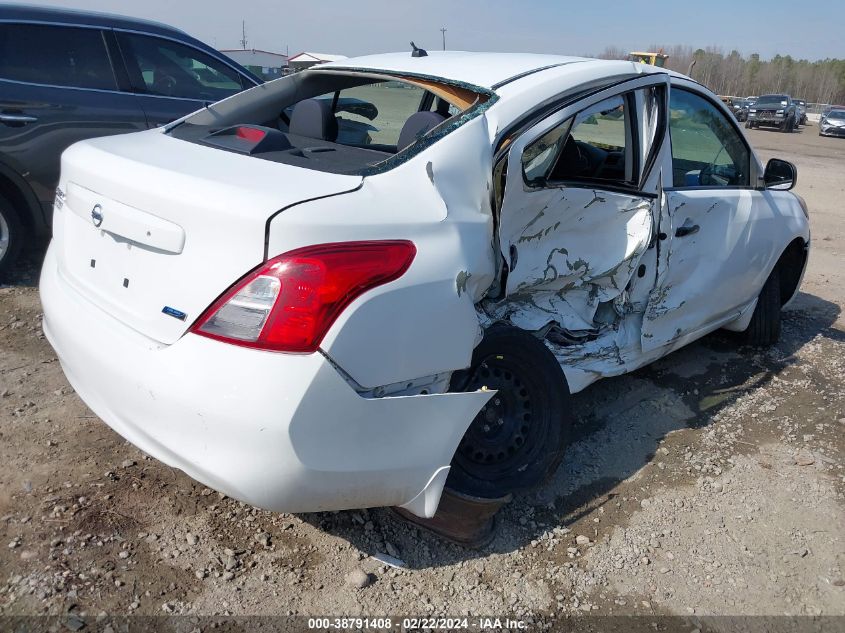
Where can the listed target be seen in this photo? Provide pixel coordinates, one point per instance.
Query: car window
(707, 150)
(56, 56)
(373, 114)
(591, 146)
(166, 68)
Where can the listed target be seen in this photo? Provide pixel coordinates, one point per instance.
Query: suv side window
(707, 151)
(72, 57)
(162, 67)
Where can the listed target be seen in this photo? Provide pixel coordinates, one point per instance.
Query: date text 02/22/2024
(412, 624)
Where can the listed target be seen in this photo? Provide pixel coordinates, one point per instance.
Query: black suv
(778, 111)
(67, 76)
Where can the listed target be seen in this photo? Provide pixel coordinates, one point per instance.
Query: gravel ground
(709, 483)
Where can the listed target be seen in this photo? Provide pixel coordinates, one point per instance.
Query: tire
(764, 328)
(748, 125)
(517, 440)
(11, 236)
(789, 126)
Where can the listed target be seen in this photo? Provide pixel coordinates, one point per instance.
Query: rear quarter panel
(423, 323)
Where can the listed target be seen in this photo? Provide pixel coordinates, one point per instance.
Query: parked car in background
(774, 110)
(802, 111)
(70, 75)
(308, 320)
(832, 123)
(739, 108)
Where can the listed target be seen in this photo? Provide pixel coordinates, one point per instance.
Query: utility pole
(443, 32)
(243, 34)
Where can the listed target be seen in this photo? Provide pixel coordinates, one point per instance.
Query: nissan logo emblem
(97, 215)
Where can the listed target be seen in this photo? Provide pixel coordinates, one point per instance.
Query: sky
(583, 27)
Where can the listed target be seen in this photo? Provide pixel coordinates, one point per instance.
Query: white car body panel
(481, 69)
(280, 431)
(429, 312)
(741, 236)
(222, 206)
(367, 420)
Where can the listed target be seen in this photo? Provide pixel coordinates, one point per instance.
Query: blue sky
(353, 27)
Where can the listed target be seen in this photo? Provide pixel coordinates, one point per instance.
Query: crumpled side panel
(569, 249)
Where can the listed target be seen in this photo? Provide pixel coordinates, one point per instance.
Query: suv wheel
(518, 439)
(11, 235)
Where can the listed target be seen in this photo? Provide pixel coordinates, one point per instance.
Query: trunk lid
(152, 229)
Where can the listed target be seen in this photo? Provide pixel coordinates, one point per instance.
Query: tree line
(821, 81)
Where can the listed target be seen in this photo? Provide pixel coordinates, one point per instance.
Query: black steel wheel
(518, 439)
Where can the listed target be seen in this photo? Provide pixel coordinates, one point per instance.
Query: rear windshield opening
(343, 122)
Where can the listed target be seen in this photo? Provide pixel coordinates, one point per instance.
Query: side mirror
(780, 174)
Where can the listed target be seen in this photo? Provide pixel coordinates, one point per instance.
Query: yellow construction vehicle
(655, 59)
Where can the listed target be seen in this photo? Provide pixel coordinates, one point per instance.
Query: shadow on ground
(621, 423)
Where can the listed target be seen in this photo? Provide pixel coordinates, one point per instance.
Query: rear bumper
(281, 431)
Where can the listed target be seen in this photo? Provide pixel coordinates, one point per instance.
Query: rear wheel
(764, 328)
(11, 235)
(518, 439)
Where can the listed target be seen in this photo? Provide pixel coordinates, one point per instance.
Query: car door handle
(685, 230)
(8, 117)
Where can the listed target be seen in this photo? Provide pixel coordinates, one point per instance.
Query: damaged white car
(357, 284)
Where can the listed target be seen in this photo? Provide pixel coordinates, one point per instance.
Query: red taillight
(290, 302)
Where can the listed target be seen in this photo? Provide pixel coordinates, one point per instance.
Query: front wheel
(11, 235)
(764, 328)
(518, 439)
(748, 125)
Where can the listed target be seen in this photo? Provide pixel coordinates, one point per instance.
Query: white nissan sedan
(361, 283)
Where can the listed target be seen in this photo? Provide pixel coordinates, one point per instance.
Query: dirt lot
(710, 483)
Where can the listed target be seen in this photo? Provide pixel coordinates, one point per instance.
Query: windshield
(773, 100)
(836, 114)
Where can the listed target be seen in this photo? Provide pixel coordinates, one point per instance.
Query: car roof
(53, 15)
(486, 70)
